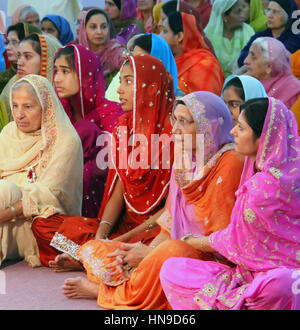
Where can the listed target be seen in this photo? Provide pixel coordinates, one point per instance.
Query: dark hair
(144, 41)
(68, 54)
(118, 3)
(35, 42)
(175, 22)
(19, 28)
(255, 111)
(169, 7)
(238, 87)
(98, 11)
(46, 19)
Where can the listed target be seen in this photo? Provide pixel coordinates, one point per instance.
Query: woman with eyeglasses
(280, 25)
(200, 201)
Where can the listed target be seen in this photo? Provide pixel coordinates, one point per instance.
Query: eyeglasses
(181, 122)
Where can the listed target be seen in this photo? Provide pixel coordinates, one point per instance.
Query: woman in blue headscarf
(59, 27)
(148, 44)
(239, 89)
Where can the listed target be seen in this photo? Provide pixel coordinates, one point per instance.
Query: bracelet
(14, 212)
(107, 222)
(152, 246)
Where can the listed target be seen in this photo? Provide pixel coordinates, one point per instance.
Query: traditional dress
(227, 51)
(144, 188)
(290, 39)
(3, 116)
(258, 19)
(190, 209)
(111, 55)
(262, 239)
(128, 24)
(98, 116)
(198, 69)
(282, 84)
(63, 28)
(43, 168)
(49, 47)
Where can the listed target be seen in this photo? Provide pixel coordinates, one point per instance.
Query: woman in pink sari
(97, 33)
(262, 239)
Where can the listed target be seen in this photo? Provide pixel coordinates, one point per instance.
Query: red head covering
(144, 187)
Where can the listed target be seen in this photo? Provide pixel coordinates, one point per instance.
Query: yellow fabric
(49, 47)
(111, 92)
(54, 153)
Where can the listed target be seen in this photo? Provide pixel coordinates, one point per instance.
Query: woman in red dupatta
(198, 68)
(134, 197)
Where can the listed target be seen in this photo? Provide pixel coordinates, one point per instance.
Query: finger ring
(127, 267)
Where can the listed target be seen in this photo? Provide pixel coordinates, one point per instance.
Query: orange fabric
(143, 290)
(296, 110)
(295, 65)
(198, 69)
(205, 201)
(298, 3)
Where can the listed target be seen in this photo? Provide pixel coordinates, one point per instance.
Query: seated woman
(97, 33)
(191, 208)
(237, 90)
(15, 34)
(138, 178)
(124, 17)
(145, 9)
(35, 56)
(79, 83)
(40, 167)
(198, 69)
(255, 15)
(26, 14)
(148, 44)
(279, 26)
(270, 62)
(171, 7)
(227, 32)
(262, 239)
(58, 27)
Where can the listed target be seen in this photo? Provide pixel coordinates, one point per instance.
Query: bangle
(107, 222)
(152, 246)
(14, 212)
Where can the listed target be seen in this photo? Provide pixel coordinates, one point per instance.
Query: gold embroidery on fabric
(276, 172)
(204, 305)
(209, 290)
(64, 244)
(249, 216)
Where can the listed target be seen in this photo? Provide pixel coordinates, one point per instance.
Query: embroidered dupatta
(264, 229)
(144, 188)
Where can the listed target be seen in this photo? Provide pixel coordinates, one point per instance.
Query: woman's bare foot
(80, 288)
(65, 263)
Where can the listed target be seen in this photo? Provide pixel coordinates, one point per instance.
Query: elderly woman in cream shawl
(41, 166)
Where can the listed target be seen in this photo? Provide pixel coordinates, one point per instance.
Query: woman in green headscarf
(227, 32)
(255, 15)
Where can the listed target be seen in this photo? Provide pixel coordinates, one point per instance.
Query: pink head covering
(282, 84)
(111, 55)
(92, 104)
(264, 232)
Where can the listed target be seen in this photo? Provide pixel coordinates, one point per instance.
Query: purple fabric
(128, 9)
(93, 178)
(125, 33)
